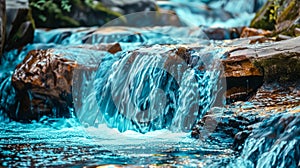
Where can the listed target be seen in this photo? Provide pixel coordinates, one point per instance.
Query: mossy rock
(277, 15)
(19, 25)
(70, 13)
(22, 29)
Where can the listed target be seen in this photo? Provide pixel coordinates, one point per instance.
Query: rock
(248, 32)
(246, 68)
(278, 61)
(277, 95)
(222, 33)
(279, 16)
(2, 25)
(240, 66)
(44, 80)
(56, 14)
(17, 26)
(228, 124)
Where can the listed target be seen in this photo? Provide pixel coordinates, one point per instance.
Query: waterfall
(153, 88)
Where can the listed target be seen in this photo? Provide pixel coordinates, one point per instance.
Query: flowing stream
(137, 108)
(171, 94)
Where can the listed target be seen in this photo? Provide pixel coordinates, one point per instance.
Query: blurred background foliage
(70, 13)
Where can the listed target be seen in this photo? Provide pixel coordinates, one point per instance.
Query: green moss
(290, 12)
(291, 31)
(64, 13)
(278, 16)
(266, 16)
(280, 68)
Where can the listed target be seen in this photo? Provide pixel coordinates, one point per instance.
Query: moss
(280, 68)
(278, 16)
(266, 16)
(54, 13)
(291, 31)
(290, 12)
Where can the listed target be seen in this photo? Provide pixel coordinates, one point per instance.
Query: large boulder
(44, 80)
(247, 67)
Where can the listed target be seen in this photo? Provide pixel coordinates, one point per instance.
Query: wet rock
(240, 66)
(231, 127)
(43, 81)
(278, 61)
(2, 25)
(247, 67)
(222, 33)
(277, 95)
(242, 76)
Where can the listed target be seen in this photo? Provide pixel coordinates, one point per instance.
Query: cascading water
(154, 88)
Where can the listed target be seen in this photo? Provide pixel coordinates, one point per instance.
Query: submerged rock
(44, 80)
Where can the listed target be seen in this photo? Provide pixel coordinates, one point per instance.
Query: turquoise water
(63, 142)
(67, 142)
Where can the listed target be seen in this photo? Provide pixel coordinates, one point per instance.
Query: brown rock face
(242, 76)
(240, 66)
(44, 79)
(248, 32)
(246, 68)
